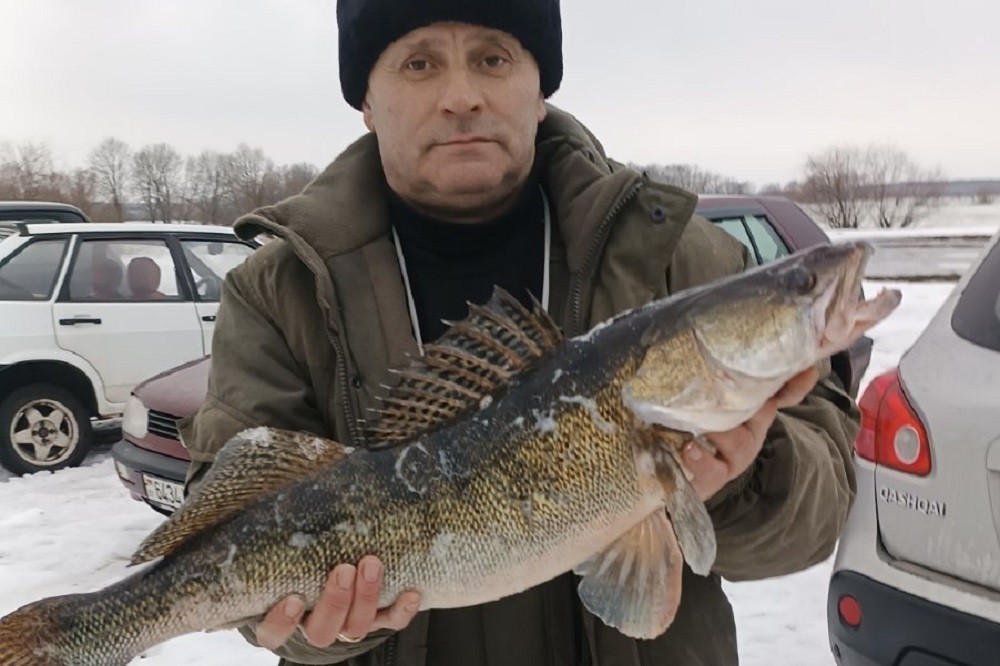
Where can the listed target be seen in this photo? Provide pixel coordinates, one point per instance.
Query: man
(106, 280)
(468, 179)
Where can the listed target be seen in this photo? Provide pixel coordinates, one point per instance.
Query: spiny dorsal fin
(470, 362)
(252, 464)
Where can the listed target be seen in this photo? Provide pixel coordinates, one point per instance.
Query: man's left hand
(739, 447)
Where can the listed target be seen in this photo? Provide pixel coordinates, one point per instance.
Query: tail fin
(37, 635)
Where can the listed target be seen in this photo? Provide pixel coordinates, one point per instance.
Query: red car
(151, 461)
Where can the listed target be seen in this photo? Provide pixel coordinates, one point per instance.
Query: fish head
(740, 340)
(791, 314)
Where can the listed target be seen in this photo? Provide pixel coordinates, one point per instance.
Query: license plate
(163, 492)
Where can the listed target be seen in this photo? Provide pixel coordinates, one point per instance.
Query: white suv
(87, 311)
(917, 575)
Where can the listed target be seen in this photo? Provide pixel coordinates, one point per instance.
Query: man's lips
(467, 141)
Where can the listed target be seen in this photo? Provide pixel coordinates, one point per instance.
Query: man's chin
(468, 197)
(473, 186)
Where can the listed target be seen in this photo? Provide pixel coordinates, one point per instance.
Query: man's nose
(461, 95)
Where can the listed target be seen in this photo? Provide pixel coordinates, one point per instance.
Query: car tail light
(849, 609)
(891, 432)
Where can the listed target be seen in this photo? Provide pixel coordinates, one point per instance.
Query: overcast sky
(747, 88)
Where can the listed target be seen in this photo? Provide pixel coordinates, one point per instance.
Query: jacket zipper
(344, 385)
(390, 651)
(590, 261)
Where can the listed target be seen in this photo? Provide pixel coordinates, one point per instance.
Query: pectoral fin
(634, 585)
(688, 515)
(691, 523)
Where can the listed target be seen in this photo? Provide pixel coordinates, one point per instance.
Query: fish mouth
(841, 312)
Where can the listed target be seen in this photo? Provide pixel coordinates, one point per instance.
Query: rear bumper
(133, 462)
(900, 629)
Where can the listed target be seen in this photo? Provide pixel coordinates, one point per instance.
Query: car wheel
(43, 427)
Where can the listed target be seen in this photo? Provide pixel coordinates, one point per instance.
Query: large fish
(506, 456)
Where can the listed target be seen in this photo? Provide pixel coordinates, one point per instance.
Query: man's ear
(366, 110)
(543, 110)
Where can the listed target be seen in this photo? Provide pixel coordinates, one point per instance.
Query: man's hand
(739, 447)
(347, 610)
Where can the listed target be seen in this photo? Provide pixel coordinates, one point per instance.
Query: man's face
(456, 109)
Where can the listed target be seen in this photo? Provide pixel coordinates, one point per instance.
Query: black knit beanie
(367, 27)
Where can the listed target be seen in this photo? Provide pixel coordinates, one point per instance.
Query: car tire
(43, 428)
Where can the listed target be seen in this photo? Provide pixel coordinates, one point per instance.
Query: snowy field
(73, 531)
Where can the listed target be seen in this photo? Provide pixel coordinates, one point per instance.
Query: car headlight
(135, 420)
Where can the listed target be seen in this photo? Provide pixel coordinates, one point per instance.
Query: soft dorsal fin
(470, 362)
(250, 465)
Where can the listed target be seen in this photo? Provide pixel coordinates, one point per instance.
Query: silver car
(917, 574)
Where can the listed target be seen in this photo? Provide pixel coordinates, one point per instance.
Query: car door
(207, 261)
(28, 277)
(125, 308)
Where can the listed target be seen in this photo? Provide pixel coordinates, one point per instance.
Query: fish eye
(799, 280)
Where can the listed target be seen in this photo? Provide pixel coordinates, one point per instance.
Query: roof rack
(22, 227)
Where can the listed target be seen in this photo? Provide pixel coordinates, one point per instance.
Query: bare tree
(296, 177)
(80, 188)
(695, 179)
(27, 172)
(900, 191)
(251, 178)
(8, 173)
(155, 173)
(835, 183)
(109, 163)
(879, 185)
(205, 176)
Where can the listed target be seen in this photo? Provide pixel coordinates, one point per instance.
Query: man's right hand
(346, 611)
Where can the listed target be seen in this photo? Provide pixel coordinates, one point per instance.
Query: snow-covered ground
(73, 531)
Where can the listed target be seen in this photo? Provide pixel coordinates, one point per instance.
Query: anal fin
(634, 585)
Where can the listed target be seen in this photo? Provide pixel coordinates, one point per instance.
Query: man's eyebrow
(495, 37)
(422, 44)
(484, 36)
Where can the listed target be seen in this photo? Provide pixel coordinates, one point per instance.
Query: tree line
(846, 186)
(153, 183)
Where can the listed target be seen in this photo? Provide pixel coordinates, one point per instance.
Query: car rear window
(977, 314)
(37, 217)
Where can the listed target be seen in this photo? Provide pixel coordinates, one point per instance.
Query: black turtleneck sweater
(449, 264)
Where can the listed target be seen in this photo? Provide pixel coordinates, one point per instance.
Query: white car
(917, 574)
(87, 311)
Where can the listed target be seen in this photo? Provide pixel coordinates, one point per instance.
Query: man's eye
(495, 61)
(418, 65)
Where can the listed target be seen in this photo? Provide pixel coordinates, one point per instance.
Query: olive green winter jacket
(310, 325)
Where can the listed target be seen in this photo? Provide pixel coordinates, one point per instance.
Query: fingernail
(411, 608)
(345, 577)
(370, 571)
(294, 607)
(694, 452)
